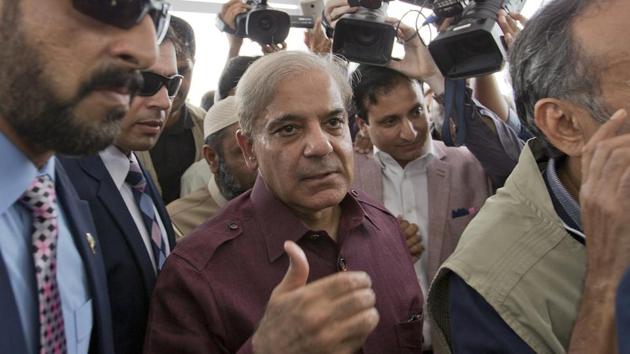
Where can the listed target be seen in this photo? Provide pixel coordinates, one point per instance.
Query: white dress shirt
(117, 164)
(405, 194)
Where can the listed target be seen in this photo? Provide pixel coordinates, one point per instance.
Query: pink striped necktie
(41, 200)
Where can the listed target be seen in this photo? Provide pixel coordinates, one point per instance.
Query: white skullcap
(221, 115)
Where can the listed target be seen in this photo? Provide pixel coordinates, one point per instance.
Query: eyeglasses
(152, 83)
(127, 13)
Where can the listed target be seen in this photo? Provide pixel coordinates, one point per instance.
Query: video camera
(364, 36)
(471, 45)
(263, 24)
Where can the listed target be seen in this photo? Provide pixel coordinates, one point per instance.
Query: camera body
(263, 24)
(472, 45)
(364, 36)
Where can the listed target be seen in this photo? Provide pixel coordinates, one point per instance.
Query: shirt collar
(18, 172)
(117, 164)
(386, 161)
(564, 198)
(215, 192)
(278, 223)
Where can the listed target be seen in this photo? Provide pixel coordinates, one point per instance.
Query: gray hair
(257, 87)
(547, 61)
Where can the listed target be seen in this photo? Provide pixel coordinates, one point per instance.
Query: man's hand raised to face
(604, 204)
(333, 315)
(605, 199)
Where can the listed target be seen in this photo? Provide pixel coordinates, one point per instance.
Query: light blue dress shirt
(15, 247)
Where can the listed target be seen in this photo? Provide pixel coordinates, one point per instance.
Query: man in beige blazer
(230, 174)
(420, 180)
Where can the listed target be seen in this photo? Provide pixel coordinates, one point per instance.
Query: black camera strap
(454, 99)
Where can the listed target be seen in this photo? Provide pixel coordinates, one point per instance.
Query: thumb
(297, 273)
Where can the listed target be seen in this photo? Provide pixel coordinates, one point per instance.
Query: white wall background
(212, 45)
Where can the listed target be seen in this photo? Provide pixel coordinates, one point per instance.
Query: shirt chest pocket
(409, 335)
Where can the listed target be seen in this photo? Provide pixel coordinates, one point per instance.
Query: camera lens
(265, 23)
(367, 37)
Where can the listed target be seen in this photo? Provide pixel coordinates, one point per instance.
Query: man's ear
(247, 147)
(563, 125)
(363, 125)
(212, 158)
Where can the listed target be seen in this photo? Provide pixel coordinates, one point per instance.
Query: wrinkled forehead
(602, 31)
(310, 93)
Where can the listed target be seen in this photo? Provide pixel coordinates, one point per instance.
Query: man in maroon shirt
(350, 285)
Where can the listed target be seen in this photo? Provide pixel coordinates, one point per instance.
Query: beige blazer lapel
(367, 176)
(438, 181)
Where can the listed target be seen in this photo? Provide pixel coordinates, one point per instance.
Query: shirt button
(233, 226)
(341, 264)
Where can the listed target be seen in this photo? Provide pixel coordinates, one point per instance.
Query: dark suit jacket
(130, 275)
(80, 224)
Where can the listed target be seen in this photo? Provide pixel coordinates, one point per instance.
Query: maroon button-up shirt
(215, 285)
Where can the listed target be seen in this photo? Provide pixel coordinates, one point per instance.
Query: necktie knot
(135, 178)
(40, 197)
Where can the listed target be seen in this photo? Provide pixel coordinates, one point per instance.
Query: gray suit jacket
(456, 181)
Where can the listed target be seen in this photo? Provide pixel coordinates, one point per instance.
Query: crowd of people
(311, 206)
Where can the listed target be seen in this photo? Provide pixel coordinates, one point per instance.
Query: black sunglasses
(152, 83)
(127, 13)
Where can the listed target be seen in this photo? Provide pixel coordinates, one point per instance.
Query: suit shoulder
(197, 113)
(369, 204)
(452, 152)
(200, 246)
(459, 157)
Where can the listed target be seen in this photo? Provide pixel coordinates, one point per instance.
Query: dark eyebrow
(280, 120)
(389, 116)
(289, 117)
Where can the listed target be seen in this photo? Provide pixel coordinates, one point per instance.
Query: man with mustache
(129, 214)
(223, 157)
(67, 72)
(350, 284)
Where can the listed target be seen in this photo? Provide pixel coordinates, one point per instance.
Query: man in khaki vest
(515, 282)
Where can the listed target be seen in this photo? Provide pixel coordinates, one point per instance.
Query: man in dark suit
(68, 69)
(129, 214)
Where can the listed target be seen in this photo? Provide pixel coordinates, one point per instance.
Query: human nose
(160, 100)
(317, 143)
(408, 131)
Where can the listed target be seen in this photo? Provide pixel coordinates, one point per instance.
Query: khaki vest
(518, 256)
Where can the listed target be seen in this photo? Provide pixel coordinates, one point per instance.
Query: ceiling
(214, 6)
